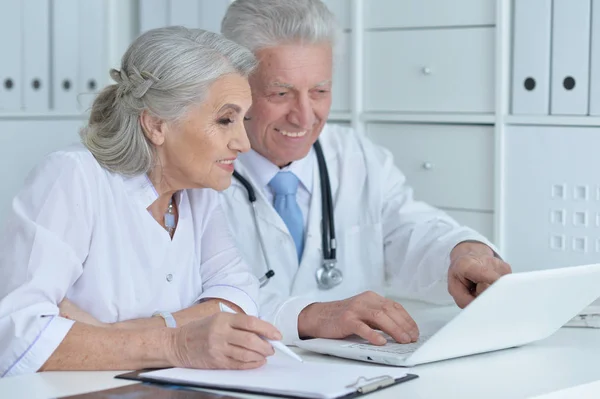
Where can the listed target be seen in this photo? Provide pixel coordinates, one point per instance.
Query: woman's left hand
(70, 311)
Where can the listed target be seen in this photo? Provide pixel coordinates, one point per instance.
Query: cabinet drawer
(448, 166)
(442, 70)
(428, 13)
(481, 222)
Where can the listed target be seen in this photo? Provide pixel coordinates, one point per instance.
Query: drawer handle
(427, 165)
(426, 71)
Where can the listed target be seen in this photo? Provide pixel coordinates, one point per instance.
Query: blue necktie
(285, 187)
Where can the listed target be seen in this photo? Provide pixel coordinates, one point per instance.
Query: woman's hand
(70, 311)
(223, 341)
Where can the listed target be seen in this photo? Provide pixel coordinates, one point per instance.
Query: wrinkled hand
(223, 341)
(69, 310)
(473, 269)
(359, 315)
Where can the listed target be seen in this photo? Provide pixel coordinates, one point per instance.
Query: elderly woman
(126, 226)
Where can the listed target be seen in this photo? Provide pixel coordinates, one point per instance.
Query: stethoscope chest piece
(328, 276)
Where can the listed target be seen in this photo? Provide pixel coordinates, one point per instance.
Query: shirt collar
(141, 189)
(261, 170)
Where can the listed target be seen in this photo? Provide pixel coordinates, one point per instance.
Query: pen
(276, 344)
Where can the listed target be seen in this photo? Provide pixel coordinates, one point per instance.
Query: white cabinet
(552, 196)
(439, 70)
(342, 92)
(448, 166)
(482, 222)
(388, 14)
(341, 10)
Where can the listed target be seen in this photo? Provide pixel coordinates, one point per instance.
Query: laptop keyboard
(391, 347)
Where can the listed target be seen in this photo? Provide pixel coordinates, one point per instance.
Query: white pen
(276, 344)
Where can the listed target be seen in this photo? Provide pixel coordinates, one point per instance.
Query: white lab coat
(386, 241)
(79, 231)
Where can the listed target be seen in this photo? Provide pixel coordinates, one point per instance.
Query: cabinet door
(552, 196)
(481, 222)
(428, 13)
(443, 70)
(342, 65)
(449, 166)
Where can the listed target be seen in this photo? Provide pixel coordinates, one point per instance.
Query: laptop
(518, 309)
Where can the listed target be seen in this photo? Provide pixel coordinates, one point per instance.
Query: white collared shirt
(79, 231)
(261, 170)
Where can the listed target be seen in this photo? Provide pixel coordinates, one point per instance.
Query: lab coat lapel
(265, 211)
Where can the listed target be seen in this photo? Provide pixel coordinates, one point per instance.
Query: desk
(567, 360)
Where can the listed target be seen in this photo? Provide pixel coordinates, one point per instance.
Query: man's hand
(359, 315)
(473, 268)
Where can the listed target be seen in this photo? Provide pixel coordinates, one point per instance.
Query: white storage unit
(429, 96)
(444, 85)
(552, 197)
(399, 14)
(341, 89)
(448, 166)
(430, 70)
(439, 94)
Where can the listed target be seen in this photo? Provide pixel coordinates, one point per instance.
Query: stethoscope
(328, 275)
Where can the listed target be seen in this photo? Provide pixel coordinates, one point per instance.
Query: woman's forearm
(182, 317)
(88, 347)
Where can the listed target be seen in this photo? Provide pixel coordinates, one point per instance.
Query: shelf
(485, 119)
(591, 121)
(25, 116)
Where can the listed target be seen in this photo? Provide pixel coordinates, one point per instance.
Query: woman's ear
(153, 127)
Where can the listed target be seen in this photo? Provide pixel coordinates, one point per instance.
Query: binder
(10, 64)
(531, 57)
(93, 51)
(154, 14)
(281, 378)
(595, 61)
(65, 54)
(212, 13)
(36, 55)
(570, 57)
(185, 13)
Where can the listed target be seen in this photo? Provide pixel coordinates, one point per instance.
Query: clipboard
(363, 386)
(149, 391)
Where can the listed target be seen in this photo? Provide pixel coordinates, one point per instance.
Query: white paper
(284, 376)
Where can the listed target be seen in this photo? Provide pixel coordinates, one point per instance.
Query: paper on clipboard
(286, 377)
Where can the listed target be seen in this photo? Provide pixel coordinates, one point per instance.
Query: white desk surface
(565, 365)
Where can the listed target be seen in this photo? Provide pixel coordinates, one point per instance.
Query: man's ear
(153, 127)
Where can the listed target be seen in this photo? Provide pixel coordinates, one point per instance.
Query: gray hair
(164, 72)
(258, 24)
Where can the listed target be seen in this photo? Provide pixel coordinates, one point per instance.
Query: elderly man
(283, 215)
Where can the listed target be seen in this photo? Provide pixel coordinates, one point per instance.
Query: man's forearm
(88, 347)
